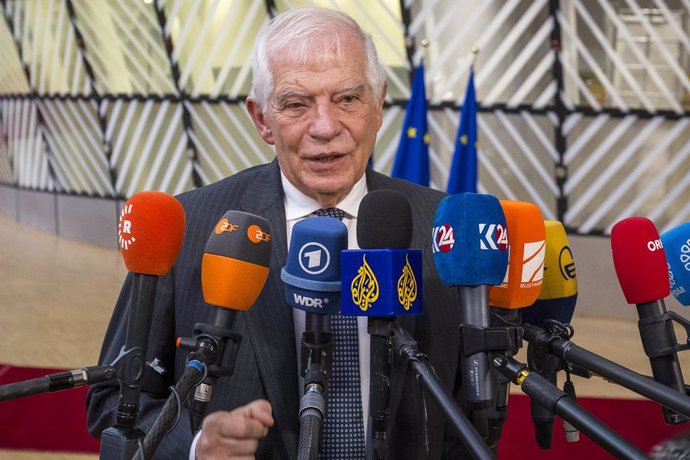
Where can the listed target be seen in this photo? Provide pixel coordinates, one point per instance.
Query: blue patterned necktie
(343, 430)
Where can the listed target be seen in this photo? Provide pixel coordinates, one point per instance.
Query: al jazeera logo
(407, 286)
(365, 286)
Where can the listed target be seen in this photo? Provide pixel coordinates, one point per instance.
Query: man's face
(322, 119)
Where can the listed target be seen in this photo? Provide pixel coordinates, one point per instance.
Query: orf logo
(124, 228)
(654, 245)
(493, 236)
(443, 238)
(566, 263)
(314, 258)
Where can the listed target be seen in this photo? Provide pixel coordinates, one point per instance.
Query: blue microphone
(382, 280)
(312, 271)
(677, 247)
(384, 277)
(470, 247)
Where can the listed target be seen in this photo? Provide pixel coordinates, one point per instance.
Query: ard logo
(365, 286)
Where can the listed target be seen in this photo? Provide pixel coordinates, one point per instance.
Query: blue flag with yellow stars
(412, 159)
(463, 169)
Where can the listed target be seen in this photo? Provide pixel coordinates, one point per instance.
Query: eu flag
(412, 159)
(463, 169)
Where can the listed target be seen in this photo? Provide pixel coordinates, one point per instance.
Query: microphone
(384, 279)
(312, 284)
(556, 302)
(520, 287)
(234, 269)
(470, 242)
(524, 277)
(640, 263)
(677, 247)
(150, 233)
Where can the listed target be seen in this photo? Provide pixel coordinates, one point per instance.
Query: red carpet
(57, 422)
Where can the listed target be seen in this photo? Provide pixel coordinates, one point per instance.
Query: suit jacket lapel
(269, 322)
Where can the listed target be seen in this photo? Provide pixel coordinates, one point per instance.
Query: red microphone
(150, 234)
(640, 263)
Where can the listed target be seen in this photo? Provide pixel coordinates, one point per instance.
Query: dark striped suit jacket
(266, 364)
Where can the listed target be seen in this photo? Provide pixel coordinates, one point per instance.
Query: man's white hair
(303, 32)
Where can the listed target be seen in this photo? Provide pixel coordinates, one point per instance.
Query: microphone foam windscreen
(677, 247)
(235, 263)
(470, 240)
(639, 260)
(312, 271)
(558, 294)
(526, 234)
(384, 221)
(150, 232)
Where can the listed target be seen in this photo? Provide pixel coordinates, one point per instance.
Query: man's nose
(325, 123)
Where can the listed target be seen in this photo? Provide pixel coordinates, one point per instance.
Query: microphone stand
(121, 440)
(380, 331)
(316, 354)
(537, 387)
(212, 353)
(643, 385)
(405, 345)
(57, 382)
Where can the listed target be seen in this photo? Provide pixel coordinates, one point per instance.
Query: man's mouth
(326, 159)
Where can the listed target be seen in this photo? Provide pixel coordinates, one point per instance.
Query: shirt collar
(298, 205)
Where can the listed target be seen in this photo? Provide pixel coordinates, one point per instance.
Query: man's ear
(259, 120)
(380, 106)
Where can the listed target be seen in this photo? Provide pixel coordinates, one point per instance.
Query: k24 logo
(493, 237)
(443, 238)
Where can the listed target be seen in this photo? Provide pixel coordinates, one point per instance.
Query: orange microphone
(150, 233)
(527, 248)
(234, 269)
(235, 264)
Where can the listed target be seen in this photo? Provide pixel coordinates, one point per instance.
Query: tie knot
(330, 212)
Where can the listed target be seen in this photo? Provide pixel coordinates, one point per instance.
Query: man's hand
(234, 434)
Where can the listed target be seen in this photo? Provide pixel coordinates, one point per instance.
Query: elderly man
(318, 94)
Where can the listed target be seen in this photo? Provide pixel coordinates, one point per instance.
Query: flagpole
(425, 63)
(475, 52)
